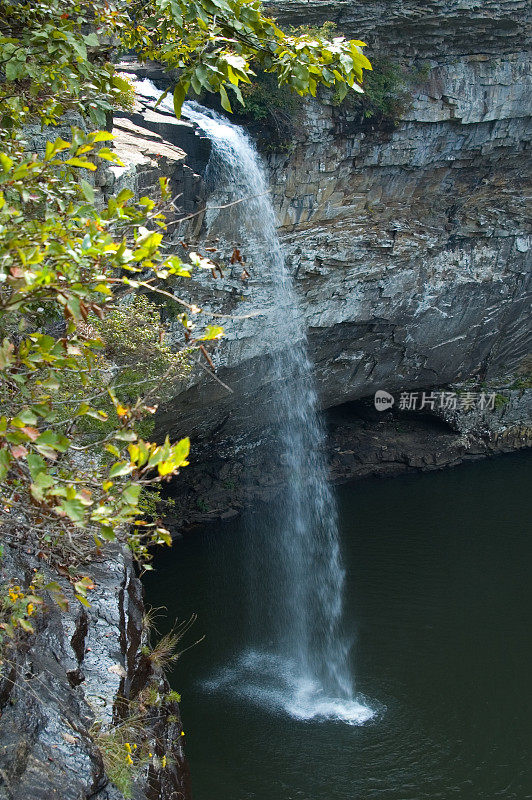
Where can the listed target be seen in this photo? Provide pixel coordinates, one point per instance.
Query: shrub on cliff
(63, 266)
(56, 54)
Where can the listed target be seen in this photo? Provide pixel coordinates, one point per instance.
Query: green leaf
(13, 70)
(83, 584)
(91, 40)
(57, 595)
(107, 533)
(124, 196)
(164, 536)
(27, 417)
(6, 162)
(36, 464)
(54, 440)
(52, 586)
(225, 100)
(125, 436)
(121, 468)
(87, 189)
(74, 509)
(181, 450)
(7, 350)
(82, 600)
(161, 98)
(212, 332)
(51, 383)
(5, 461)
(108, 155)
(131, 493)
(180, 92)
(55, 147)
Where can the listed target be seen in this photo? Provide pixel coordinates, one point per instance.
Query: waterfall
(302, 665)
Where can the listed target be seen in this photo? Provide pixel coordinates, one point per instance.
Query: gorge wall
(410, 247)
(409, 243)
(64, 696)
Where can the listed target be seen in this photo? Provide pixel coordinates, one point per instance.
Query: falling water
(305, 668)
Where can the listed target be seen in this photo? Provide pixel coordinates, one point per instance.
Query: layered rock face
(67, 687)
(411, 248)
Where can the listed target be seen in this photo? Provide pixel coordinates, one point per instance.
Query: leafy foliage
(387, 94)
(56, 54)
(125, 752)
(215, 44)
(62, 267)
(271, 112)
(17, 607)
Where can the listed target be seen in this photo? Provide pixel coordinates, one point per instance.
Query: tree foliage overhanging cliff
(72, 457)
(57, 54)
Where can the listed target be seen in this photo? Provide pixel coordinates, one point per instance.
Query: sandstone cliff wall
(410, 243)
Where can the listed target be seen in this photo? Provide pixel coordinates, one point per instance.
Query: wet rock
(70, 676)
(362, 442)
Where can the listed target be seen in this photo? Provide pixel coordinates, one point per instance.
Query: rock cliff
(410, 246)
(410, 243)
(77, 674)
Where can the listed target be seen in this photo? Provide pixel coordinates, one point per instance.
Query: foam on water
(270, 682)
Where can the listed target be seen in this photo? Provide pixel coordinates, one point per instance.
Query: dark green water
(439, 594)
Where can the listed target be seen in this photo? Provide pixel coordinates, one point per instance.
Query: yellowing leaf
(180, 92)
(225, 100)
(80, 162)
(121, 468)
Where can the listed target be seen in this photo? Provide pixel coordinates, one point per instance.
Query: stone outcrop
(436, 29)
(361, 442)
(152, 143)
(64, 687)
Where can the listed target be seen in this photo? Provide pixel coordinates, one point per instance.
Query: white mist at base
(274, 684)
(299, 658)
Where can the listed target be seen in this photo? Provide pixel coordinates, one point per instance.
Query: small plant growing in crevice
(202, 505)
(125, 751)
(18, 607)
(153, 506)
(387, 94)
(119, 759)
(165, 653)
(150, 695)
(501, 400)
